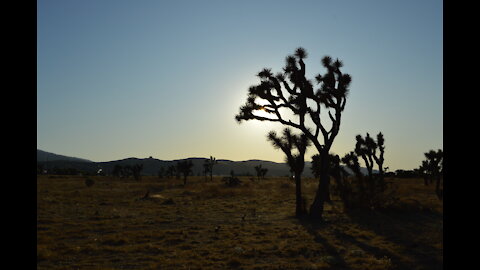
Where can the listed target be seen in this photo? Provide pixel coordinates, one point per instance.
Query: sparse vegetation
(432, 169)
(205, 225)
(360, 191)
(261, 172)
(208, 166)
(185, 168)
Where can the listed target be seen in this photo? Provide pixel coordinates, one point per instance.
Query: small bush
(231, 181)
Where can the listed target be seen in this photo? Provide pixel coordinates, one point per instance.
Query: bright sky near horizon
(119, 78)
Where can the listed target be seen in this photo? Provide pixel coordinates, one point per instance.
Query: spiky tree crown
(289, 143)
(292, 91)
(434, 162)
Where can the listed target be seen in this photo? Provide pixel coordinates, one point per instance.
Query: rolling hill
(151, 166)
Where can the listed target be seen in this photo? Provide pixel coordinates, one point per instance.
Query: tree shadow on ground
(409, 230)
(313, 228)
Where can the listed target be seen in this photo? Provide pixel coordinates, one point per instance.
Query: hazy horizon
(120, 79)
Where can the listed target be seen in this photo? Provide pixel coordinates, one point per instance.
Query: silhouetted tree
(371, 190)
(366, 148)
(209, 163)
(171, 171)
(422, 171)
(335, 170)
(433, 169)
(261, 172)
(343, 187)
(136, 170)
(185, 168)
(231, 181)
(296, 161)
(127, 171)
(206, 169)
(293, 92)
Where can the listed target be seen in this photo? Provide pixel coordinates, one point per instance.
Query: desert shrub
(231, 181)
(89, 182)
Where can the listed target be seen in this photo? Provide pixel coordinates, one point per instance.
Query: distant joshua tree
(231, 181)
(185, 168)
(432, 169)
(171, 171)
(208, 166)
(296, 161)
(299, 98)
(261, 172)
(136, 171)
(369, 190)
(206, 169)
(161, 172)
(423, 172)
(127, 170)
(366, 148)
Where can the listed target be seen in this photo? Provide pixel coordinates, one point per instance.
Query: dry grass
(200, 226)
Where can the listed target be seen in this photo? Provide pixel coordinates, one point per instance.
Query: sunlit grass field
(206, 225)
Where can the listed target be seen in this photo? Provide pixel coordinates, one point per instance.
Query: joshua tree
(127, 171)
(335, 170)
(291, 92)
(296, 162)
(339, 174)
(423, 172)
(366, 148)
(209, 163)
(185, 167)
(367, 190)
(433, 169)
(261, 172)
(206, 169)
(171, 171)
(136, 170)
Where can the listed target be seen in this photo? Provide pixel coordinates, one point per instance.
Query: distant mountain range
(151, 166)
(47, 156)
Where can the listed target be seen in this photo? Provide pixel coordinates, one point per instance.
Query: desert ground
(207, 225)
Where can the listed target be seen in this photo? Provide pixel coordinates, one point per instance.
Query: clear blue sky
(118, 79)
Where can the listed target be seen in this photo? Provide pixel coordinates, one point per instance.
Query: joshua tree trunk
(300, 210)
(327, 196)
(316, 209)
